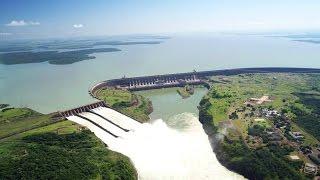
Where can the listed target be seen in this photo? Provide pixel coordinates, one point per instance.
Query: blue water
(48, 88)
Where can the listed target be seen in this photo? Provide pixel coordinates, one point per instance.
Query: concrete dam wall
(150, 82)
(181, 79)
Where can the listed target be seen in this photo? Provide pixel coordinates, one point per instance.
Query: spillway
(156, 150)
(100, 133)
(104, 123)
(118, 118)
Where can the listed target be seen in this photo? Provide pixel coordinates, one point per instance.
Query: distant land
(309, 35)
(90, 44)
(15, 46)
(305, 38)
(53, 57)
(118, 43)
(308, 41)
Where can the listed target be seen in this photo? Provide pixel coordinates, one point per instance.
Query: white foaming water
(161, 152)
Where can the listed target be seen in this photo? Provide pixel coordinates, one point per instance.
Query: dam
(182, 79)
(158, 151)
(101, 117)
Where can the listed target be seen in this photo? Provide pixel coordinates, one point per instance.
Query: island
(120, 43)
(53, 57)
(76, 44)
(185, 91)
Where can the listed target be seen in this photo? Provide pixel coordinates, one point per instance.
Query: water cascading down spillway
(106, 123)
(156, 150)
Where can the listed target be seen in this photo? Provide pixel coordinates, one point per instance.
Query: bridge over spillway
(106, 123)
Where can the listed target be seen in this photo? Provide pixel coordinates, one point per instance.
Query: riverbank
(250, 118)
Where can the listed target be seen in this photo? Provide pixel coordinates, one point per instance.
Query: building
(258, 101)
(270, 113)
(296, 135)
(310, 169)
(294, 157)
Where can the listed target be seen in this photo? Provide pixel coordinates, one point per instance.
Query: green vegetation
(220, 99)
(186, 91)
(308, 117)
(258, 148)
(17, 120)
(130, 104)
(53, 57)
(265, 163)
(40, 147)
(4, 106)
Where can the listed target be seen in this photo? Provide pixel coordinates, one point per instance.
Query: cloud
(22, 23)
(77, 26)
(34, 23)
(17, 23)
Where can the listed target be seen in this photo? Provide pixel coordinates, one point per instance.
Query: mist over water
(161, 152)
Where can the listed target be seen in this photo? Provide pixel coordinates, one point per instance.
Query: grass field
(115, 97)
(128, 103)
(18, 120)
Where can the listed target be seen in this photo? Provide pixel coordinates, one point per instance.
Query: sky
(68, 18)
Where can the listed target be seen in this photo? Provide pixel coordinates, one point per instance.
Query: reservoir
(46, 88)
